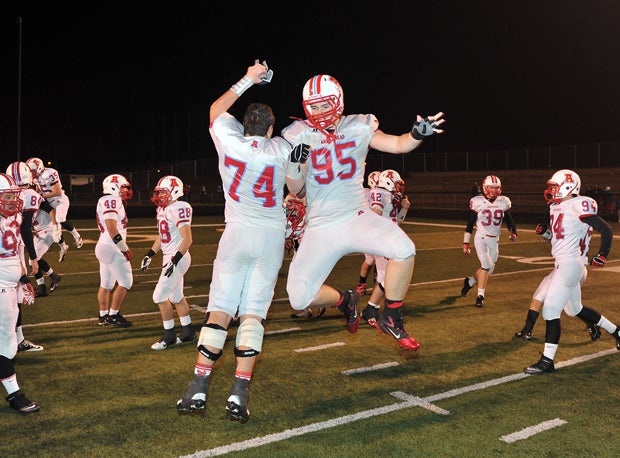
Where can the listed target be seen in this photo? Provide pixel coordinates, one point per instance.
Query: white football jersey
(381, 199)
(570, 237)
(335, 179)
(32, 200)
(111, 207)
(490, 214)
(11, 238)
(46, 179)
(253, 172)
(169, 220)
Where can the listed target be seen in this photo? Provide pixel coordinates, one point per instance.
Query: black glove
(300, 153)
(172, 264)
(541, 229)
(423, 129)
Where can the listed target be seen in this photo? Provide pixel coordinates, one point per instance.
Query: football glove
(466, 248)
(512, 237)
(598, 260)
(128, 254)
(56, 233)
(146, 261)
(25, 294)
(300, 153)
(541, 229)
(265, 77)
(423, 129)
(169, 267)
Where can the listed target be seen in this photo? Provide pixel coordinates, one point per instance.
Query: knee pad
(250, 334)
(214, 336)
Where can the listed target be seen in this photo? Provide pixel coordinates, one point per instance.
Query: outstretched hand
(427, 126)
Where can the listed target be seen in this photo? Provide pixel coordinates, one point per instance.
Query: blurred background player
(388, 199)
(541, 292)
(112, 251)
(369, 259)
(295, 225)
(174, 224)
(11, 271)
(32, 202)
(48, 184)
(487, 212)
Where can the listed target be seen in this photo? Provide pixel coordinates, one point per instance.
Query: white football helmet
(21, 173)
(562, 183)
(36, 166)
(10, 203)
(117, 185)
(390, 180)
(323, 89)
(373, 179)
(492, 187)
(168, 189)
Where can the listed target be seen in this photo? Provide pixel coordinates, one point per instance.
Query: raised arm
(256, 74)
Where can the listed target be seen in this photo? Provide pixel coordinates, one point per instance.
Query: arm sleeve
(471, 221)
(26, 232)
(510, 222)
(45, 206)
(603, 227)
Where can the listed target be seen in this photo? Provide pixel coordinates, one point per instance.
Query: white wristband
(242, 85)
(466, 237)
(122, 245)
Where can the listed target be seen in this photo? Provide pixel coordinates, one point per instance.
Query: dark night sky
(98, 83)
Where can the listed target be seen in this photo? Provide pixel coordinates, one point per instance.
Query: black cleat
(595, 332)
(617, 336)
(523, 334)
(480, 301)
(187, 334)
(350, 311)
(42, 291)
(543, 366)
(466, 287)
(103, 320)
(118, 320)
(189, 406)
(18, 401)
(55, 280)
(236, 409)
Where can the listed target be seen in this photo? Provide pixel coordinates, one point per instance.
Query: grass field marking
(420, 402)
(376, 367)
(532, 430)
(411, 402)
(320, 347)
(281, 331)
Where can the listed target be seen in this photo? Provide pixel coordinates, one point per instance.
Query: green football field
(318, 391)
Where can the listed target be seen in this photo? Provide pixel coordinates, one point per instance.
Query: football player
(12, 273)
(571, 218)
(112, 251)
(332, 178)
(252, 166)
(48, 184)
(487, 212)
(389, 200)
(369, 259)
(174, 223)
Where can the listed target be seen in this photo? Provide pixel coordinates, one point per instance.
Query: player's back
(253, 173)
